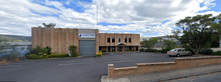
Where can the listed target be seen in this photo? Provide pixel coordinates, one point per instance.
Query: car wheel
(178, 55)
(189, 54)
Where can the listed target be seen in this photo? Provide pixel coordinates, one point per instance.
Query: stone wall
(179, 63)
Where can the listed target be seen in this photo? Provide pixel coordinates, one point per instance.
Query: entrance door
(87, 47)
(119, 48)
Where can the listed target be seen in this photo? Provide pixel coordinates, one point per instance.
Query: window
(108, 48)
(129, 47)
(108, 39)
(113, 47)
(125, 40)
(113, 39)
(129, 39)
(119, 39)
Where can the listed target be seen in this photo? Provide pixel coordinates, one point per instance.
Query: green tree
(51, 25)
(196, 31)
(149, 43)
(3, 45)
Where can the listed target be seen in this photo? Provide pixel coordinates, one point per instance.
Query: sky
(149, 18)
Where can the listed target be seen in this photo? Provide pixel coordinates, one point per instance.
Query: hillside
(16, 38)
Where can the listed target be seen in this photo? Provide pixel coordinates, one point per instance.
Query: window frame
(119, 40)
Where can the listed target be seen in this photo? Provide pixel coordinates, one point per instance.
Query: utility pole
(97, 16)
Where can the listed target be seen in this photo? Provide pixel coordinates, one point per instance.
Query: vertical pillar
(116, 48)
(110, 70)
(123, 48)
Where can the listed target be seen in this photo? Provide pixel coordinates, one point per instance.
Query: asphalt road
(202, 78)
(84, 69)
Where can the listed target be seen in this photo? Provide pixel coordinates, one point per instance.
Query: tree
(51, 25)
(3, 45)
(196, 31)
(149, 43)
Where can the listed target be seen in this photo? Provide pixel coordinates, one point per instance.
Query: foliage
(197, 31)
(164, 50)
(169, 43)
(149, 43)
(58, 55)
(99, 54)
(152, 50)
(73, 51)
(9, 57)
(51, 25)
(35, 56)
(37, 50)
(113, 50)
(142, 49)
(206, 51)
(103, 50)
(3, 45)
(216, 53)
(47, 50)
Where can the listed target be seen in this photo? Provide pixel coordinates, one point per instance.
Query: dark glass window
(113, 39)
(108, 48)
(125, 40)
(129, 39)
(119, 39)
(113, 47)
(108, 39)
(129, 47)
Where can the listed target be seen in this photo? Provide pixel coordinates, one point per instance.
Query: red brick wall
(180, 63)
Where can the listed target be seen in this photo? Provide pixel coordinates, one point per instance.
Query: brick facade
(180, 63)
(59, 39)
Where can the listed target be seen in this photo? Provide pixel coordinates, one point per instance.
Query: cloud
(144, 16)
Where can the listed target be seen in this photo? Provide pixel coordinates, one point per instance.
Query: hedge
(35, 56)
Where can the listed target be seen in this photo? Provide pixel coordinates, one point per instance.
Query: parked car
(178, 52)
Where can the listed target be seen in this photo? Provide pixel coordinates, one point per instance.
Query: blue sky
(146, 17)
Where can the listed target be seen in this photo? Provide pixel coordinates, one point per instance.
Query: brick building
(88, 41)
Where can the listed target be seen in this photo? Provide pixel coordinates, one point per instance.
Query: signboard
(86, 35)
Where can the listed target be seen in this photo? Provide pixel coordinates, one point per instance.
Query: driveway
(83, 69)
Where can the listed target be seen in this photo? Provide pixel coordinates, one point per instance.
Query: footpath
(167, 75)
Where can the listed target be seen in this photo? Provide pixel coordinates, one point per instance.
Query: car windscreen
(173, 50)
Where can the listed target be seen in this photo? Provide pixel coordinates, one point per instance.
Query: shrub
(99, 54)
(9, 57)
(37, 50)
(113, 50)
(103, 50)
(216, 53)
(109, 50)
(142, 49)
(164, 50)
(47, 50)
(73, 51)
(33, 56)
(57, 55)
(206, 51)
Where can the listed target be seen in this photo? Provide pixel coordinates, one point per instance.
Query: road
(216, 77)
(84, 69)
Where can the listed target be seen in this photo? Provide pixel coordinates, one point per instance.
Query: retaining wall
(179, 63)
